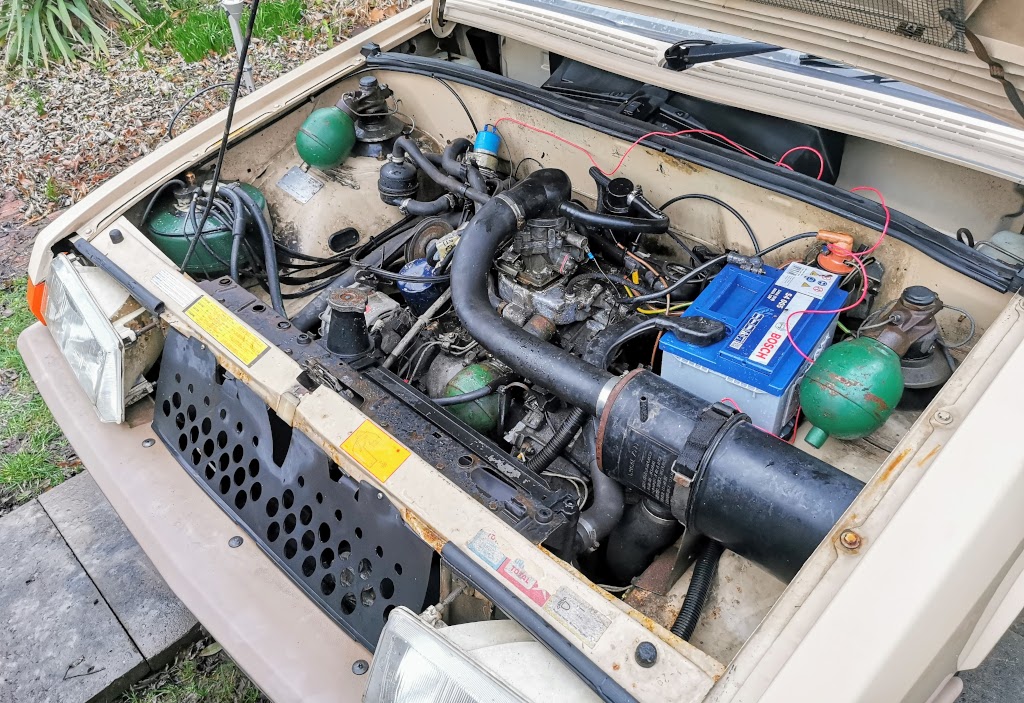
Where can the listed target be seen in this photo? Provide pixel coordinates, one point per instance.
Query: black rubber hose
(464, 397)
(564, 374)
(159, 191)
(426, 208)
(697, 593)
(450, 158)
(475, 179)
(618, 223)
(407, 147)
(638, 204)
(608, 504)
(606, 247)
(558, 442)
(379, 247)
(269, 252)
(725, 206)
(237, 230)
(679, 282)
(606, 278)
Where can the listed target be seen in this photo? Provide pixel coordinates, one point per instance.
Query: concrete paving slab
(1000, 678)
(59, 641)
(158, 623)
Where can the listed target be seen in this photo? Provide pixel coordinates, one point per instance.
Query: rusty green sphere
(480, 414)
(851, 390)
(326, 138)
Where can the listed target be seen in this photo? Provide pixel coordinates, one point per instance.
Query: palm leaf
(61, 10)
(57, 39)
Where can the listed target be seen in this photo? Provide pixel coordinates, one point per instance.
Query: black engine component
(722, 476)
(376, 123)
(346, 333)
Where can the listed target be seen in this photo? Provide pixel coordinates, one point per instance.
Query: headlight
(414, 664)
(102, 333)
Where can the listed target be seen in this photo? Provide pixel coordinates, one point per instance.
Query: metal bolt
(380, 496)
(646, 654)
(148, 442)
(283, 325)
(303, 339)
(360, 667)
(850, 539)
(116, 237)
(943, 417)
(235, 542)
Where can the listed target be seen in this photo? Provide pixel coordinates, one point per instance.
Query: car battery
(755, 365)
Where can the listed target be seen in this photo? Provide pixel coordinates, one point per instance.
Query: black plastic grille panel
(344, 543)
(937, 22)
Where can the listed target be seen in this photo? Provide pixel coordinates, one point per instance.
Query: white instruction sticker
(578, 615)
(807, 280)
(174, 289)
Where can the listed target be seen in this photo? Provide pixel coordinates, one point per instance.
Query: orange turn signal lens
(36, 295)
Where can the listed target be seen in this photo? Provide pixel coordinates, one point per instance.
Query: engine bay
(669, 371)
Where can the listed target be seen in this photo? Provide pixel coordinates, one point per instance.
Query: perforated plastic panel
(930, 21)
(342, 542)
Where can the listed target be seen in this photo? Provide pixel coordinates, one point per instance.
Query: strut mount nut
(850, 539)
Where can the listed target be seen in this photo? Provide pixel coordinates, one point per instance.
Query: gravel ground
(64, 133)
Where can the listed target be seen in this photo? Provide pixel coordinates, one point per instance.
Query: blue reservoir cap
(488, 141)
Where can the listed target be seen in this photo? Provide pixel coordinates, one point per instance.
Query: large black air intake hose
(565, 375)
(722, 477)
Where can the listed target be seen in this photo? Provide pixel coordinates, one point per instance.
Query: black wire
(177, 114)
(157, 194)
(219, 164)
(722, 204)
(461, 102)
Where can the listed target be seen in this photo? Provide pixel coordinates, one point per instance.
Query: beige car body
(926, 578)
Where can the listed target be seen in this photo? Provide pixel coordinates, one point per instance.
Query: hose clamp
(710, 423)
(605, 394)
(403, 206)
(514, 207)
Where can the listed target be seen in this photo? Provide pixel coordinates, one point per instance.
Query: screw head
(646, 654)
(360, 667)
(235, 542)
(148, 442)
(850, 539)
(943, 417)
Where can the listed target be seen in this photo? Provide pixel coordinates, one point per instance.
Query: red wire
(680, 133)
(796, 420)
(860, 264)
(821, 159)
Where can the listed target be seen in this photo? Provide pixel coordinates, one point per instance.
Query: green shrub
(36, 31)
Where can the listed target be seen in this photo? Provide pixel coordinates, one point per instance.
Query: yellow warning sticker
(376, 450)
(232, 334)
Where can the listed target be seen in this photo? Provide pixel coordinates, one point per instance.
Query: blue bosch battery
(755, 365)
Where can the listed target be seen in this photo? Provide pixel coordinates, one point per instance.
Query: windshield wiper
(690, 52)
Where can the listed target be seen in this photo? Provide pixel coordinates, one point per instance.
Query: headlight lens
(92, 347)
(414, 664)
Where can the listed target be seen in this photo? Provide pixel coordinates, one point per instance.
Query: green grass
(197, 29)
(194, 677)
(34, 455)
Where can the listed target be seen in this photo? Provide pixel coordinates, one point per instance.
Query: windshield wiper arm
(690, 52)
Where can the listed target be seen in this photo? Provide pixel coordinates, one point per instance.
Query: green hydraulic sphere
(480, 414)
(171, 228)
(326, 138)
(851, 390)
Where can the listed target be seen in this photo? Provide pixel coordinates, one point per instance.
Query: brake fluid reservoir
(755, 365)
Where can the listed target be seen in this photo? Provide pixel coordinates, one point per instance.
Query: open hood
(970, 51)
